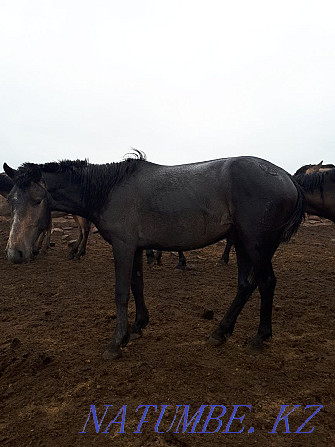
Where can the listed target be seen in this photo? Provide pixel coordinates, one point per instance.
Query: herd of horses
(137, 205)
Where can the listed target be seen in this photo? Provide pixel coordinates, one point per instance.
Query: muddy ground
(57, 316)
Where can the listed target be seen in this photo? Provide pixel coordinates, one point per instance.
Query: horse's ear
(9, 171)
(317, 167)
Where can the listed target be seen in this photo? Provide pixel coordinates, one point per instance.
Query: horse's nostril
(20, 253)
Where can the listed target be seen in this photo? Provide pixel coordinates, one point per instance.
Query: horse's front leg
(123, 259)
(142, 316)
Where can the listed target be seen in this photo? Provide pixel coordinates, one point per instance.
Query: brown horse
(318, 183)
(311, 169)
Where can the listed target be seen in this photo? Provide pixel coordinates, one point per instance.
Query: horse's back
(188, 206)
(226, 178)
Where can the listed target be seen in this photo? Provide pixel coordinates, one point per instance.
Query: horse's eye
(37, 202)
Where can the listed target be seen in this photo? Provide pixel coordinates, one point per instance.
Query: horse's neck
(64, 195)
(322, 205)
(314, 202)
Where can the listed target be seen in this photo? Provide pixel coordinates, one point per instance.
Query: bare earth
(58, 315)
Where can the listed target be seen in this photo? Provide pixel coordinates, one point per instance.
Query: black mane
(310, 182)
(95, 180)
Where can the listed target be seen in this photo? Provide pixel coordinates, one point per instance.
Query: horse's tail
(292, 225)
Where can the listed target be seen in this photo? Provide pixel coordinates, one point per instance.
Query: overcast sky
(181, 80)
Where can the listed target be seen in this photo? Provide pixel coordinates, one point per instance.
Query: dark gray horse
(137, 205)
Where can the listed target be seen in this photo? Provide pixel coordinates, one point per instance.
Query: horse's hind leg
(150, 257)
(142, 316)
(182, 261)
(158, 257)
(75, 246)
(246, 286)
(85, 226)
(266, 286)
(225, 255)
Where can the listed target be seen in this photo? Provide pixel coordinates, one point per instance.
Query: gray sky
(182, 80)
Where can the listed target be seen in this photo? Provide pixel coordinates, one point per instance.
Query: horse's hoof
(135, 335)
(181, 265)
(214, 341)
(111, 355)
(253, 346)
(221, 262)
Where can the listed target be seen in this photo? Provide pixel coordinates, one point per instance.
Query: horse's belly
(185, 235)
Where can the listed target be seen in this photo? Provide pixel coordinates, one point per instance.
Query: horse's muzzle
(18, 256)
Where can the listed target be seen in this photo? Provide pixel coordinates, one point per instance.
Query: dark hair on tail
(291, 227)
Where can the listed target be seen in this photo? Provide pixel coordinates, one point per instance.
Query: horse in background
(6, 185)
(312, 169)
(318, 184)
(156, 257)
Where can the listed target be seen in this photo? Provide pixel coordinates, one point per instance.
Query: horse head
(30, 211)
